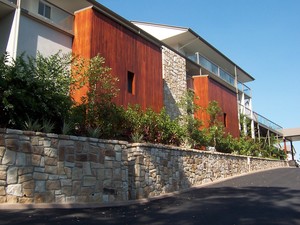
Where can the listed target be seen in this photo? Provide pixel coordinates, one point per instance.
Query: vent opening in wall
(130, 82)
(44, 10)
(225, 119)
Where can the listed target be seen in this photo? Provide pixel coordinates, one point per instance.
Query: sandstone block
(3, 199)
(108, 173)
(3, 175)
(12, 144)
(40, 186)
(40, 198)
(60, 199)
(28, 192)
(40, 176)
(81, 157)
(89, 181)
(14, 189)
(77, 173)
(2, 140)
(12, 199)
(2, 151)
(25, 200)
(21, 159)
(50, 161)
(76, 187)
(86, 168)
(51, 169)
(36, 159)
(110, 153)
(2, 191)
(12, 175)
(29, 184)
(38, 150)
(70, 199)
(66, 182)
(9, 157)
(118, 156)
(53, 185)
(51, 152)
(93, 157)
(26, 147)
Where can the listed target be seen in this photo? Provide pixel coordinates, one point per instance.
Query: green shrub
(35, 88)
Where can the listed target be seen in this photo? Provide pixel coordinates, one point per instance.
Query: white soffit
(184, 39)
(292, 134)
(160, 32)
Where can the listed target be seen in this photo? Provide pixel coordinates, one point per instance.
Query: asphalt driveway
(269, 197)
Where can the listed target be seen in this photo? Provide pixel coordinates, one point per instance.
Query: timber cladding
(136, 61)
(209, 90)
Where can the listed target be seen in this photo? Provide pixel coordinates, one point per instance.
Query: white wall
(34, 37)
(6, 27)
(32, 5)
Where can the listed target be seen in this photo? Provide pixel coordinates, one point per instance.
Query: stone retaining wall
(156, 170)
(49, 168)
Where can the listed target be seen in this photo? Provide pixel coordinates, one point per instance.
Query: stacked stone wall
(157, 170)
(175, 82)
(50, 168)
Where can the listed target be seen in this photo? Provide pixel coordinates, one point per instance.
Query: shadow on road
(216, 205)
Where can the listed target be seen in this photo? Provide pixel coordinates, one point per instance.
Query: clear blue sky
(261, 36)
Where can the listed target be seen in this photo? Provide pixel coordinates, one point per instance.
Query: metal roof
(291, 134)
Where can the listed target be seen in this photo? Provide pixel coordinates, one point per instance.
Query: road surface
(265, 198)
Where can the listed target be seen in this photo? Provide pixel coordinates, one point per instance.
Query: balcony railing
(50, 13)
(213, 68)
(260, 119)
(244, 88)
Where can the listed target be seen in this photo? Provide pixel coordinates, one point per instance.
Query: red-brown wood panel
(209, 90)
(124, 51)
(201, 98)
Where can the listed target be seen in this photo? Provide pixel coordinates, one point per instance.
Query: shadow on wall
(153, 172)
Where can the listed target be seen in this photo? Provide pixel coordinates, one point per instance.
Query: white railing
(245, 89)
(213, 68)
(259, 118)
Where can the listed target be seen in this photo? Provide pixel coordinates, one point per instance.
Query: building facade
(156, 64)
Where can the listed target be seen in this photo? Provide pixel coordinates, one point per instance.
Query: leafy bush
(34, 88)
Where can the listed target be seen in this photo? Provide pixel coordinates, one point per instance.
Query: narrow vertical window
(225, 119)
(130, 83)
(44, 10)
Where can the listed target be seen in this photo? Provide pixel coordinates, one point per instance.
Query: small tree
(215, 131)
(97, 110)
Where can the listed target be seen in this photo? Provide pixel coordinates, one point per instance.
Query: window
(225, 119)
(44, 10)
(130, 83)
